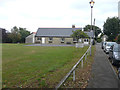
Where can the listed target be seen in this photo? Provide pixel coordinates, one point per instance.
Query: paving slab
(103, 75)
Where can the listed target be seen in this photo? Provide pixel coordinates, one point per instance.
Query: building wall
(38, 41)
(55, 40)
(30, 39)
(104, 38)
(69, 40)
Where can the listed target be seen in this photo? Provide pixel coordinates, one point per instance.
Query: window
(74, 39)
(38, 38)
(50, 38)
(87, 40)
(116, 48)
(62, 40)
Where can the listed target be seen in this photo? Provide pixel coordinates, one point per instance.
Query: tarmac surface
(103, 75)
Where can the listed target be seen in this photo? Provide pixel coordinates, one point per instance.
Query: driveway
(103, 75)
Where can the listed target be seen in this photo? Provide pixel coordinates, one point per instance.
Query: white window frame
(62, 39)
(39, 38)
(50, 39)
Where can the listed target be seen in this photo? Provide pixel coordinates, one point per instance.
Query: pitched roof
(57, 32)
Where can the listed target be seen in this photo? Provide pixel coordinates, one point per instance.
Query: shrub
(118, 39)
(99, 40)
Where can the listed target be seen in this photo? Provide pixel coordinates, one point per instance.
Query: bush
(99, 40)
(118, 39)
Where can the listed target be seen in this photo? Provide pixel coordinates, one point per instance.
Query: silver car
(114, 54)
(103, 45)
(108, 45)
(119, 72)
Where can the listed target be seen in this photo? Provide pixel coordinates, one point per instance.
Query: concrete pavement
(103, 75)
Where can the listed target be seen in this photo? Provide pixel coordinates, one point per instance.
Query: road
(103, 75)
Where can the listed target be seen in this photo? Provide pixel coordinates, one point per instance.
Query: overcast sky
(32, 14)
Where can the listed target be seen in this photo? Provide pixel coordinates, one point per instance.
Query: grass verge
(82, 74)
(36, 67)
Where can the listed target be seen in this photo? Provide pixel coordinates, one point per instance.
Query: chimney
(73, 26)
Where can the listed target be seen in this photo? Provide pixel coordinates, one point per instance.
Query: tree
(15, 36)
(18, 34)
(87, 28)
(24, 33)
(96, 29)
(118, 39)
(8, 40)
(4, 35)
(79, 34)
(111, 28)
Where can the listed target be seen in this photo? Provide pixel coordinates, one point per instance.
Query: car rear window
(110, 44)
(116, 48)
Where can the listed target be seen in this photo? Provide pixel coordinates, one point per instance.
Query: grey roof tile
(57, 32)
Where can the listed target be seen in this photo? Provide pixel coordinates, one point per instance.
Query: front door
(43, 40)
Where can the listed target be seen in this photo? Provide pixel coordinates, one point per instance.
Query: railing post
(74, 75)
(90, 50)
(82, 63)
(86, 56)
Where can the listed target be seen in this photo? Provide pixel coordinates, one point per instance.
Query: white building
(30, 38)
(104, 38)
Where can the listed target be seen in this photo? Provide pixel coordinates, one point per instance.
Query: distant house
(30, 38)
(104, 38)
(59, 36)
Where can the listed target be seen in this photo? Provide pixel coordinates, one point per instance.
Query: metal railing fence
(74, 67)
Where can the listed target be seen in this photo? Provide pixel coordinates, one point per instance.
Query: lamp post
(94, 29)
(91, 5)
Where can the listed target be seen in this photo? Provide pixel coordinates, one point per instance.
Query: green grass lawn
(35, 66)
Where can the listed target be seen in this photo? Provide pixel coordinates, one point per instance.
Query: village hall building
(57, 36)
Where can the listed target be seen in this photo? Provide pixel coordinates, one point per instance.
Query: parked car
(119, 72)
(103, 45)
(114, 54)
(107, 46)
